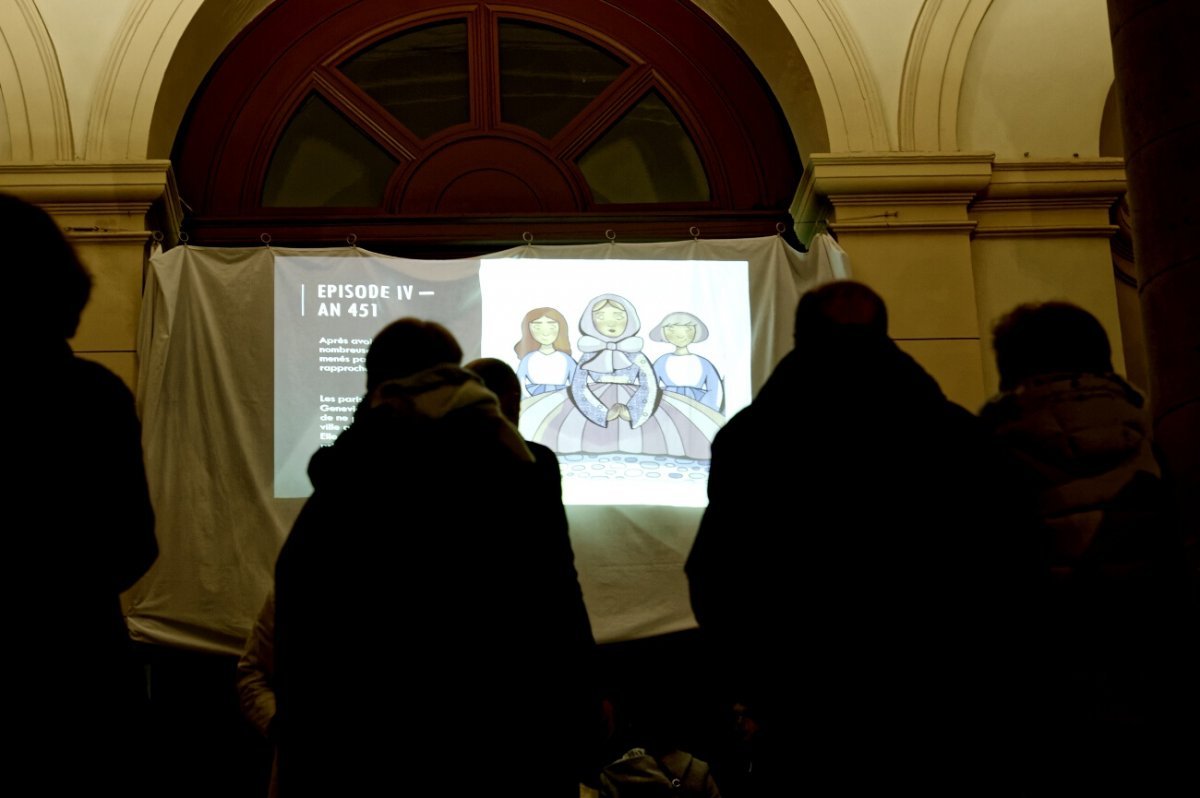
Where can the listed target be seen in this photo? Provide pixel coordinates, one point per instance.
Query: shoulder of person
(90, 375)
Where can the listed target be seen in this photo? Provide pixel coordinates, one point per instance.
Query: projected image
(545, 352)
(614, 402)
(631, 411)
(327, 311)
(683, 372)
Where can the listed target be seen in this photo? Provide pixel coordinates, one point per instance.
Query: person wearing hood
(419, 595)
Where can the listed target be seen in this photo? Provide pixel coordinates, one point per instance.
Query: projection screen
(251, 359)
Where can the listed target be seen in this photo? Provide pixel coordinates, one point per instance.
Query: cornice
(896, 158)
(1053, 198)
(96, 234)
(1049, 202)
(1057, 178)
(956, 198)
(900, 173)
(1048, 231)
(886, 226)
(86, 184)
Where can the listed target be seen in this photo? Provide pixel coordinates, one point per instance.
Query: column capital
(894, 191)
(899, 173)
(94, 199)
(1055, 198)
(86, 181)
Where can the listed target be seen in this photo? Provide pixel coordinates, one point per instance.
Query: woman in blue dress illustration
(614, 403)
(546, 362)
(681, 371)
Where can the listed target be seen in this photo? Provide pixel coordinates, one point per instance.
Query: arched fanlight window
(475, 122)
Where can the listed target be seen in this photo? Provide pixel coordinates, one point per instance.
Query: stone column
(1158, 81)
(902, 217)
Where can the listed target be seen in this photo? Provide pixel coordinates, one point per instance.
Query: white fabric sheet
(205, 397)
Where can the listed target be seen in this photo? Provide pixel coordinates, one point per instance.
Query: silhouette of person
(419, 597)
(81, 529)
(501, 380)
(578, 718)
(837, 570)
(256, 682)
(1114, 606)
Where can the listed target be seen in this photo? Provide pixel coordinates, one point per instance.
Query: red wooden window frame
(224, 150)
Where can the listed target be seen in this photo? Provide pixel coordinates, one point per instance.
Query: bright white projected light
(628, 367)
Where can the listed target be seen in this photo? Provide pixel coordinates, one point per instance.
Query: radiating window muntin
(323, 161)
(547, 76)
(421, 76)
(646, 157)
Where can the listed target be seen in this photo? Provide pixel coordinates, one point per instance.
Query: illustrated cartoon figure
(683, 372)
(614, 402)
(546, 362)
(616, 381)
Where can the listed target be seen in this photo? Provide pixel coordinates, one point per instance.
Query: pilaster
(902, 217)
(1043, 231)
(104, 209)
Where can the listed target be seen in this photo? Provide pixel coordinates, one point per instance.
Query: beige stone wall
(935, 100)
(103, 209)
(1036, 80)
(75, 36)
(108, 330)
(1042, 232)
(885, 41)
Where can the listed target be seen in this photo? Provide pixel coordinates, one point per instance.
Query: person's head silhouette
(407, 346)
(1049, 338)
(51, 285)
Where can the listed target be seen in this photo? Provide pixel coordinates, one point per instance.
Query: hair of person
(46, 267)
(1046, 338)
(527, 343)
(839, 307)
(407, 346)
(499, 378)
(681, 317)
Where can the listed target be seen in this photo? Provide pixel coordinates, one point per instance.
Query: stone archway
(165, 50)
(31, 87)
